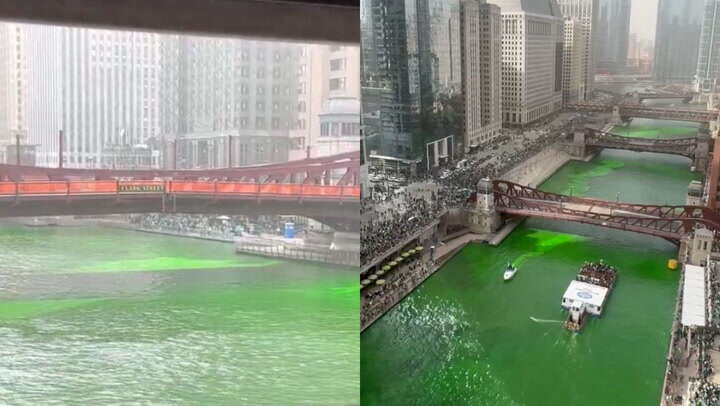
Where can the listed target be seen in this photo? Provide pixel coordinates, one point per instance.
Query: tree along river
(92, 315)
(465, 337)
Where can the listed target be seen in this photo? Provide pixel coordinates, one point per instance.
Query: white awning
(693, 305)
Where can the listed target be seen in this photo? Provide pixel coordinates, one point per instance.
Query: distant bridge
(626, 111)
(675, 146)
(686, 98)
(669, 222)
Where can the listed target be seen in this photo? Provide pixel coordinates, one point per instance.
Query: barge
(587, 294)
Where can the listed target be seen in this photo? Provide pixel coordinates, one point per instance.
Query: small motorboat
(510, 272)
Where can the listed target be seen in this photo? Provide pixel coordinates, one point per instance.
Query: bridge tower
(483, 218)
(699, 246)
(694, 194)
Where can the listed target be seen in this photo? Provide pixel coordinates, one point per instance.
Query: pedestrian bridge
(669, 222)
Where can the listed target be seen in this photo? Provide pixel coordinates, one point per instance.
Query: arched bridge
(325, 189)
(669, 222)
(676, 146)
(626, 111)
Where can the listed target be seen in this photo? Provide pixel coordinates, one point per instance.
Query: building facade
(574, 75)
(532, 39)
(13, 93)
(481, 79)
(708, 66)
(677, 39)
(95, 85)
(586, 13)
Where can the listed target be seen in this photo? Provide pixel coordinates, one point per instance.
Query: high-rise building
(574, 62)
(613, 32)
(532, 40)
(411, 47)
(481, 79)
(385, 75)
(586, 12)
(708, 66)
(13, 93)
(677, 39)
(245, 87)
(445, 45)
(100, 87)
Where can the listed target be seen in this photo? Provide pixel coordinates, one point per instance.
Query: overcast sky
(643, 17)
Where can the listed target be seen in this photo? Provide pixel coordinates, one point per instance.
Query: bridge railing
(79, 188)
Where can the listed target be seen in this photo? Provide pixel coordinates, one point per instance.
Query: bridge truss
(665, 221)
(676, 146)
(339, 170)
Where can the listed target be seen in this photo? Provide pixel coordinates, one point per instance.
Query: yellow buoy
(672, 264)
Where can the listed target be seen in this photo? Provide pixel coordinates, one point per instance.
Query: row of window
(339, 129)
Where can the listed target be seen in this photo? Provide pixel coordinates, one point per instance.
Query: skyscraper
(613, 31)
(13, 74)
(586, 13)
(481, 78)
(532, 37)
(101, 87)
(677, 39)
(385, 74)
(708, 66)
(574, 74)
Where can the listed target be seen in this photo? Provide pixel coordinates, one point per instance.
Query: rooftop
(586, 293)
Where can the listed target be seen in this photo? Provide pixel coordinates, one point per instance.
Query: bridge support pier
(702, 153)
(483, 218)
(616, 117)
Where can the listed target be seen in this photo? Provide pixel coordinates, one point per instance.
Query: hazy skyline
(643, 18)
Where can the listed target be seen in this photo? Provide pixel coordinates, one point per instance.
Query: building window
(337, 65)
(325, 130)
(301, 107)
(337, 84)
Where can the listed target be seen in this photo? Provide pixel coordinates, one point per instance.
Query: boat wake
(536, 320)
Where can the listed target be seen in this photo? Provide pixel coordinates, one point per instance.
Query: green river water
(99, 316)
(465, 337)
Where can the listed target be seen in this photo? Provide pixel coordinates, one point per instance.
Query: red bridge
(669, 222)
(326, 189)
(640, 111)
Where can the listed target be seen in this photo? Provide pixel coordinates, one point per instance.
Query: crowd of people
(410, 214)
(394, 224)
(376, 300)
(225, 227)
(598, 273)
(706, 394)
(693, 362)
